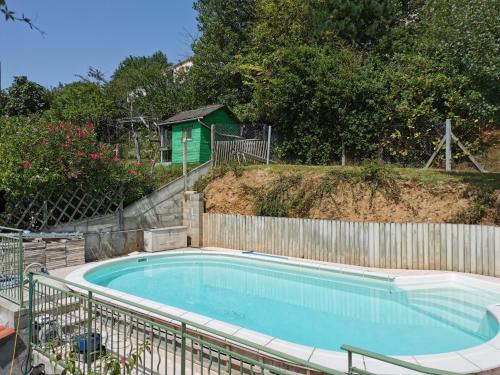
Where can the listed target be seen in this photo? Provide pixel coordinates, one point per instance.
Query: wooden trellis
(45, 209)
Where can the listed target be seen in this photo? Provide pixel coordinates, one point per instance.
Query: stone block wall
(192, 217)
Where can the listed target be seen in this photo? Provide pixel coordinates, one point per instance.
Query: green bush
(50, 157)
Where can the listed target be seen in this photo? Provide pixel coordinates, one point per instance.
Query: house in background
(182, 68)
(194, 126)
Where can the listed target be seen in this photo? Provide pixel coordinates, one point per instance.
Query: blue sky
(98, 33)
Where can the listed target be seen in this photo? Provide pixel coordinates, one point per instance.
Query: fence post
(30, 312)
(89, 333)
(184, 163)
(343, 156)
(268, 156)
(212, 141)
(183, 349)
(448, 144)
(20, 259)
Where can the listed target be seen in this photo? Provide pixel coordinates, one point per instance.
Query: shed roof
(193, 114)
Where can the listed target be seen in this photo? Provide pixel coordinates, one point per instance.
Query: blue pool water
(309, 307)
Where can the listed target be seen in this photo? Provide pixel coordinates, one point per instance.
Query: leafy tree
(361, 22)
(465, 36)
(419, 94)
(81, 102)
(26, 98)
(3, 102)
(152, 74)
(224, 27)
(320, 100)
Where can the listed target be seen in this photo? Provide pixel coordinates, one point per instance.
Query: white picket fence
(425, 246)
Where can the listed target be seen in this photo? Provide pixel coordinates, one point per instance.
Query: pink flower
(27, 164)
(69, 138)
(96, 156)
(80, 134)
(43, 142)
(89, 126)
(138, 163)
(81, 153)
(65, 145)
(63, 125)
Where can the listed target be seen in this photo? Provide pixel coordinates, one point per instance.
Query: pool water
(321, 309)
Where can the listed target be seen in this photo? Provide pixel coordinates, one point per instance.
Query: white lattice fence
(57, 207)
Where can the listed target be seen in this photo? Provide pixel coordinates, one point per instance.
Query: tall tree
(154, 75)
(26, 98)
(81, 102)
(224, 26)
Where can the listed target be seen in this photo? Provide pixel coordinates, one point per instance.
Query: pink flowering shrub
(52, 156)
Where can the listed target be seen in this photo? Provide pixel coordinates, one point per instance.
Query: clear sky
(98, 33)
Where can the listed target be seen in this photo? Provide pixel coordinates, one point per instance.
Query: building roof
(193, 114)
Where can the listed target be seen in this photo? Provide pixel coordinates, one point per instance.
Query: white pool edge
(477, 359)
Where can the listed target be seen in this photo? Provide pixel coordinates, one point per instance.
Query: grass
(430, 176)
(164, 174)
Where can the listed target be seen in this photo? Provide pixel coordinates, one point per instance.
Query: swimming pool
(311, 306)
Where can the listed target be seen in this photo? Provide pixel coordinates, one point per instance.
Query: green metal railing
(393, 361)
(88, 331)
(11, 265)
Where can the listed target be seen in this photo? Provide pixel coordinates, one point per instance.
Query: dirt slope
(318, 192)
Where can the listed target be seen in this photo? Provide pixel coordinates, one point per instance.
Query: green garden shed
(195, 127)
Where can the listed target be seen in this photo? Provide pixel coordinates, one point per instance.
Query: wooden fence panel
(450, 247)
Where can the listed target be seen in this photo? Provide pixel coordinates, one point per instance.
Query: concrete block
(162, 239)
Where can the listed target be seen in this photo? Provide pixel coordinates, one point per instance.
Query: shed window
(187, 134)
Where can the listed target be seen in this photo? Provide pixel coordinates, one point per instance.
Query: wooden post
(343, 156)
(268, 156)
(184, 162)
(212, 141)
(161, 131)
(448, 144)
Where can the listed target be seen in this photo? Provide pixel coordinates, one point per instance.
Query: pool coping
(484, 357)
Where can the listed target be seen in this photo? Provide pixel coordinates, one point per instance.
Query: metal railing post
(89, 333)
(349, 362)
(31, 292)
(183, 349)
(20, 259)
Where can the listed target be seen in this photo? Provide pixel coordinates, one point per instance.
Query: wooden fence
(450, 247)
(242, 151)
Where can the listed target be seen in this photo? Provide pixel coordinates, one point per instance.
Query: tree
(465, 36)
(359, 22)
(81, 102)
(10, 15)
(224, 27)
(26, 98)
(320, 100)
(3, 102)
(154, 75)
